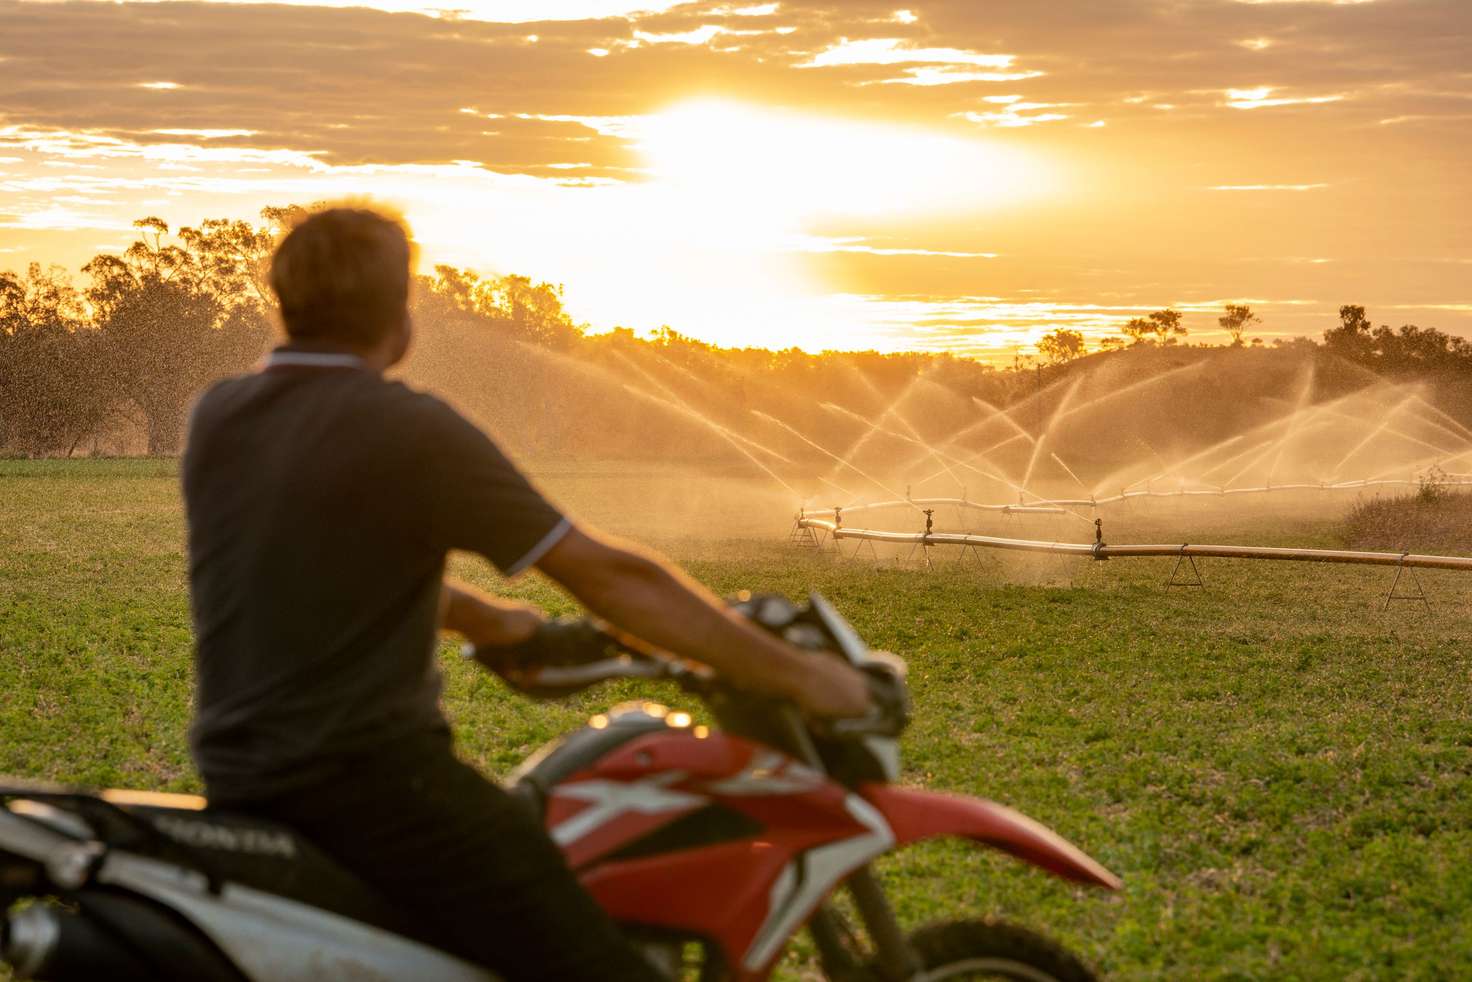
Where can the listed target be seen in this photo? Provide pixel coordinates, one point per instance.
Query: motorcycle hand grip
(561, 657)
(559, 641)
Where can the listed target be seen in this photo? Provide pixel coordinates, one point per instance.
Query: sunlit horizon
(772, 174)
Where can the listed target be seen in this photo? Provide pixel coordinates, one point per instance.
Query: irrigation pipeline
(1056, 506)
(1100, 550)
(1040, 508)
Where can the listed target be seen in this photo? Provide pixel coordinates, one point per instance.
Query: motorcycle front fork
(892, 959)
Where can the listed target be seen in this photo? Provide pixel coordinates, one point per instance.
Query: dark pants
(455, 850)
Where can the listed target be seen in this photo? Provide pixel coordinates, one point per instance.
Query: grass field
(1281, 773)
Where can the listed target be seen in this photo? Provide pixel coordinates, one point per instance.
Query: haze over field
(951, 175)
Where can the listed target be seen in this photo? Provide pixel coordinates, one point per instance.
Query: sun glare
(801, 166)
(733, 197)
(736, 192)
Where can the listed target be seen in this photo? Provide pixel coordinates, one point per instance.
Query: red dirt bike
(712, 847)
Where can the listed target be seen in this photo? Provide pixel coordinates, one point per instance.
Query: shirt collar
(288, 357)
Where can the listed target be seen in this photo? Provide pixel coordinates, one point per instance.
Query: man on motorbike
(322, 500)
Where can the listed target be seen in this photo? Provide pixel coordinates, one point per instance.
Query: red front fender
(915, 815)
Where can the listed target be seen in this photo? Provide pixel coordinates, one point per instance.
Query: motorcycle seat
(272, 858)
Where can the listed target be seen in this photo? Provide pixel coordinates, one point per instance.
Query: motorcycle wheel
(956, 950)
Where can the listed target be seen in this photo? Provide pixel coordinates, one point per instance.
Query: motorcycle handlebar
(565, 656)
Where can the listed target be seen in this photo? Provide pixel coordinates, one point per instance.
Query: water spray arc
(1058, 413)
(868, 434)
(721, 431)
(825, 451)
(1283, 443)
(877, 428)
(673, 398)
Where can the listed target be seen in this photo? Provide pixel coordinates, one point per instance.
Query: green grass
(1281, 773)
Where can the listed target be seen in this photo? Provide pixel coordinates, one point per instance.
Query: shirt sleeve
(478, 500)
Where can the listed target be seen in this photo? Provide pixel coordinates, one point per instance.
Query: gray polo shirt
(322, 501)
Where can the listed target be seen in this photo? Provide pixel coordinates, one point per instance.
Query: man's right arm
(476, 499)
(649, 598)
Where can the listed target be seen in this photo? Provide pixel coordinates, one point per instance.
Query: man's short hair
(342, 275)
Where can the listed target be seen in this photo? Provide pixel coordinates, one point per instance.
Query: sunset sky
(959, 175)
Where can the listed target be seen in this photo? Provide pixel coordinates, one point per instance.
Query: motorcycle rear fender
(916, 815)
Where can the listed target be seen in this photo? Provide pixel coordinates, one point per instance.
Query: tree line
(151, 327)
(128, 348)
(1409, 350)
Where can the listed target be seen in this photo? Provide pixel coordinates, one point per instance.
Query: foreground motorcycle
(712, 846)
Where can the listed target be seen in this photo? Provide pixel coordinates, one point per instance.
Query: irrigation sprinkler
(924, 542)
(1097, 552)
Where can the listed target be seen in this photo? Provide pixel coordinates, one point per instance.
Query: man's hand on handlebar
(564, 656)
(834, 690)
(514, 639)
(831, 688)
(889, 700)
(489, 623)
(556, 643)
